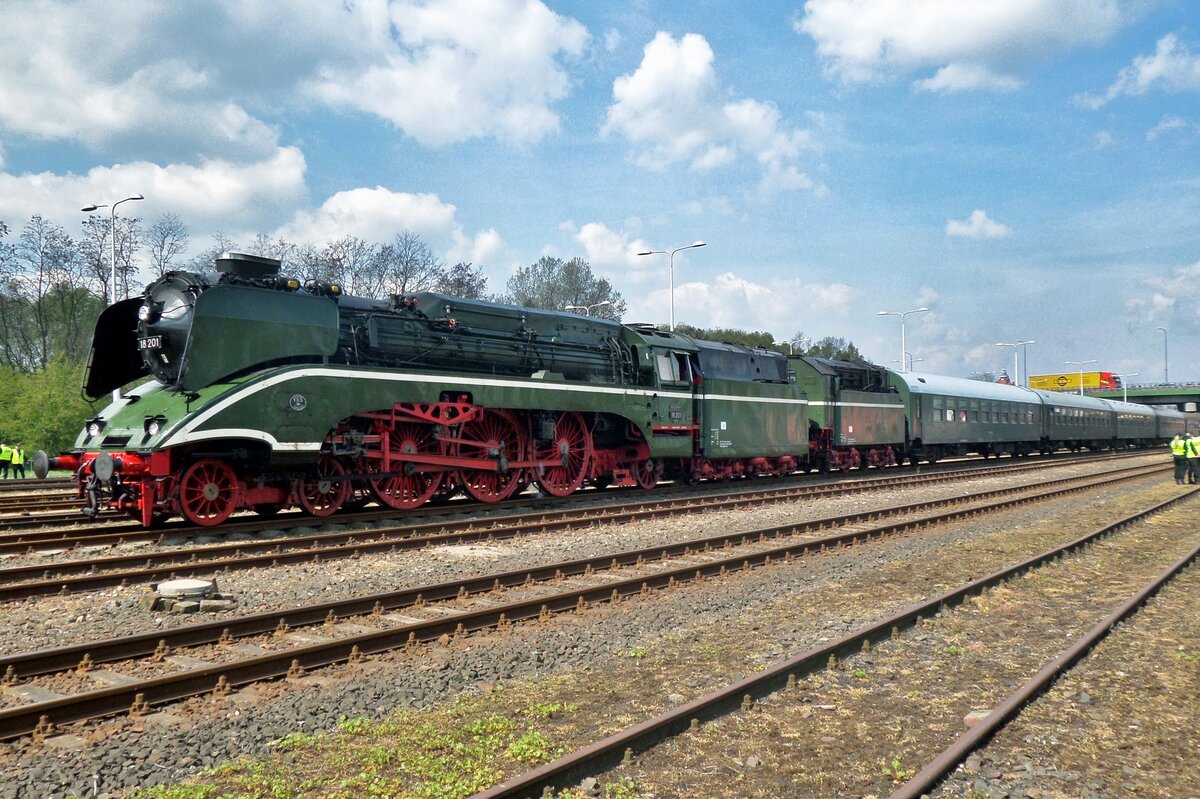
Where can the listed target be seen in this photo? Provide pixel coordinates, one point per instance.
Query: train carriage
(1136, 425)
(1076, 422)
(1169, 422)
(954, 416)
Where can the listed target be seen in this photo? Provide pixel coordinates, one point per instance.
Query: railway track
(622, 747)
(154, 668)
(28, 512)
(67, 576)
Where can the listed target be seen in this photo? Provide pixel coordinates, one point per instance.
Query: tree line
(53, 286)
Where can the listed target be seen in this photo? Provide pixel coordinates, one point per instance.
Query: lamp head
(697, 244)
(87, 209)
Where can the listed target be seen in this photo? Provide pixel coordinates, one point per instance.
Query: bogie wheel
(572, 448)
(406, 486)
(323, 492)
(648, 473)
(208, 492)
(502, 442)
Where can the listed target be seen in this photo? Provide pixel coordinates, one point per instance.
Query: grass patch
(433, 754)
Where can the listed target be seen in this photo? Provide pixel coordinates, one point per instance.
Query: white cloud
(612, 39)
(479, 249)
(961, 77)
(1168, 300)
(731, 300)
(213, 190)
(375, 214)
(175, 81)
(978, 226)
(672, 109)
(1172, 68)
(972, 45)
(612, 252)
(1104, 139)
(460, 69)
(1170, 124)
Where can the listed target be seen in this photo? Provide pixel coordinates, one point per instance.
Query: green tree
(728, 335)
(555, 283)
(834, 347)
(43, 409)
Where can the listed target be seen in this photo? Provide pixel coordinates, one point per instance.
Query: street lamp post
(1163, 330)
(903, 346)
(671, 268)
(1080, 364)
(1019, 348)
(1125, 386)
(791, 349)
(587, 309)
(112, 231)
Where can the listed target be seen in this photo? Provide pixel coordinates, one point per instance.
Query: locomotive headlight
(94, 426)
(152, 427)
(144, 313)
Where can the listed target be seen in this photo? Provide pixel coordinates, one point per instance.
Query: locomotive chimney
(241, 264)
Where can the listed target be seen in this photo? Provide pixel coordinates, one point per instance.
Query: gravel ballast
(124, 753)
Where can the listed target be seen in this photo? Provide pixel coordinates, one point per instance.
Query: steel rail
(42, 717)
(977, 736)
(15, 535)
(622, 745)
(55, 579)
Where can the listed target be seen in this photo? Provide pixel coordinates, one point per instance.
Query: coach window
(962, 416)
(949, 414)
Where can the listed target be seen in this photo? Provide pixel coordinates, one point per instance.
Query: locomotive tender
(265, 394)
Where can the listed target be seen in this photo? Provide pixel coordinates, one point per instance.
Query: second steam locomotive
(265, 394)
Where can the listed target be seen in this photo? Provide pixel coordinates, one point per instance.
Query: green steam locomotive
(265, 394)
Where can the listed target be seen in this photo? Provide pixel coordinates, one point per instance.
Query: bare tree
(407, 265)
(96, 251)
(203, 261)
(129, 242)
(166, 240)
(351, 263)
(461, 280)
(45, 296)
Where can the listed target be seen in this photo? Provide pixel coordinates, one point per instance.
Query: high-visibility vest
(5, 453)
(1179, 447)
(18, 456)
(1193, 447)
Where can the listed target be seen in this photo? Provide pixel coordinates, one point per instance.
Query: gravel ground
(1121, 723)
(64, 620)
(124, 753)
(864, 729)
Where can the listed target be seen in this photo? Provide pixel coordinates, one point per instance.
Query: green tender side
(743, 419)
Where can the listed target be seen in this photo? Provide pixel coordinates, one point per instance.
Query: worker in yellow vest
(5, 460)
(18, 462)
(1179, 456)
(1193, 457)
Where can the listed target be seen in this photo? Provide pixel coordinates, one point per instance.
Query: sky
(1027, 169)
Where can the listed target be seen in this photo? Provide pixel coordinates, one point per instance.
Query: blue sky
(1027, 169)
